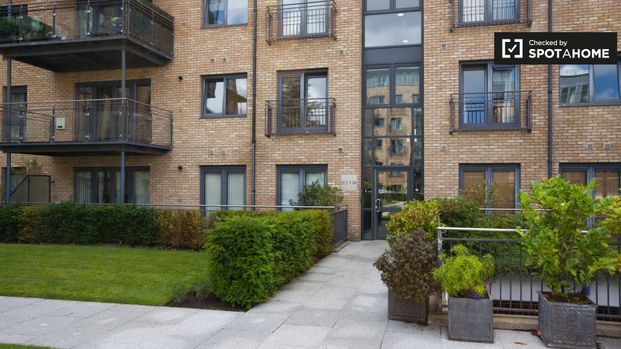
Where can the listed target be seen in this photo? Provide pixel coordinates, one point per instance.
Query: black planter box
(567, 325)
(471, 320)
(407, 310)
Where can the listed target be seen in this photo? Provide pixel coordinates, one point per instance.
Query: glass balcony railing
(86, 121)
(58, 21)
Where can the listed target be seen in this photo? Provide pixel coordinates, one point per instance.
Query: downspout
(253, 170)
(550, 116)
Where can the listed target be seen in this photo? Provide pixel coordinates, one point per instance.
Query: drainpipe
(9, 75)
(550, 116)
(253, 170)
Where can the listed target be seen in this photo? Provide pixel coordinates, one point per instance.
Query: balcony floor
(84, 148)
(87, 54)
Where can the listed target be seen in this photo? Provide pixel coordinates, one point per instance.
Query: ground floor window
(491, 186)
(223, 186)
(608, 177)
(292, 179)
(17, 175)
(103, 185)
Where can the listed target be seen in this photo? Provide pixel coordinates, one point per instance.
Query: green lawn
(102, 274)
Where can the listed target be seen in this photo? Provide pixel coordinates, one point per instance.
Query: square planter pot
(567, 325)
(407, 310)
(471, 320)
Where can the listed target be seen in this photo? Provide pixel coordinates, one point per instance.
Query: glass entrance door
(391, 190)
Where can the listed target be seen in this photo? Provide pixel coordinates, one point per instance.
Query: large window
(303, 104)
(393, 85)
(15, 115)
(303, 17)
(103, 185)
(491, 186)
(608, 177)
(590, 84)
(392, 29)
(223, 186)
(225, 96)
(489, 96)
(292, 179)
(225, 12)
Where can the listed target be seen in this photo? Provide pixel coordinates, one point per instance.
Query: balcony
(316, 19)
(300, 116)
(85, 127)
(69, 36)
(475, 13)
(493, 111)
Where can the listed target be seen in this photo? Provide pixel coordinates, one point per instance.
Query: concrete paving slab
(242, 339)
(314, 317)
(301, 336)
(259, 321)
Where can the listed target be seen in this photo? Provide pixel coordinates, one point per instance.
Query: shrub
(415, 215)
(318, 195)
(241, 262)
(254, 254)
(9, 223)
(464, 275)
(406, 267)
(561, 255)
(181, 229)
(459, 212)
(69, 223)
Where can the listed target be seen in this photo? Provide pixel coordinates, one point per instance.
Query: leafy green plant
(459, 212)
(414, 216)
(463, 274)
(561, 249)
(316, 194)
(406, 267)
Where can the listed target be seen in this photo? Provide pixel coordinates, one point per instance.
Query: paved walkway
(339, 303)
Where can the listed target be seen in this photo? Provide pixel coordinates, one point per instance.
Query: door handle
(378, 205)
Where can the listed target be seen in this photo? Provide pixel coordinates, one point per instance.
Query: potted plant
(470, 309)
(406, 269)
(567, 255)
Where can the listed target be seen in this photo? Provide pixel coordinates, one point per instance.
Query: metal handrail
(274, 18)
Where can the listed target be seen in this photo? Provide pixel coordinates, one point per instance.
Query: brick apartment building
(243, 102)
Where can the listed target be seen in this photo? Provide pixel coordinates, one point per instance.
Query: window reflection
(393, 29)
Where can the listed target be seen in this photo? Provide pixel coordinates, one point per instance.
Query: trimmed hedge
(252, 255)
(70, 223)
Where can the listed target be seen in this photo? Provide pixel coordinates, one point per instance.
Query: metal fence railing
(471, 13)
(513, 289)
(295, 116)
(310, 19)
(510, 110)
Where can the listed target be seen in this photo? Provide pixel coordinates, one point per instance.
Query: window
(491, 186)
(489, 96)
(590, 84)
(394, 85)
(222, 186)
(303, 17)
(395, 124)
(292, 179)
(16, 114)
(378, 122)
(392, 29)
(225, 96)
(225, 12)
(103, 185)
(303, 102)
(385, 5)
(608, 177)
(477, 11)
(397, 147)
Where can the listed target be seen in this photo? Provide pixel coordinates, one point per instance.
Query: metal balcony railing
(81, 20)
(301, 21)
(472, 13)
(508, 110)
(115, 120)
(295, 116)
